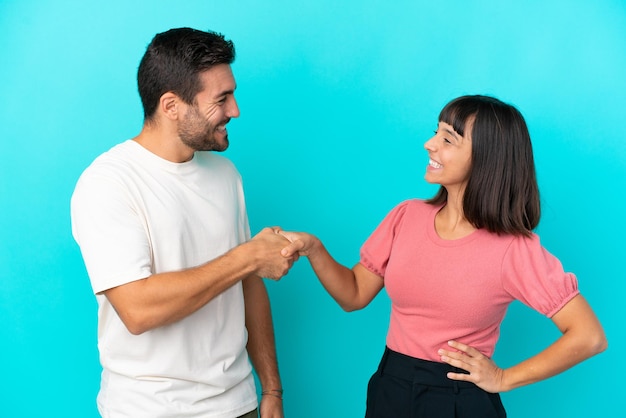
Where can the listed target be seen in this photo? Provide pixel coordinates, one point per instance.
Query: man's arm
(165, 298)
(261, 345)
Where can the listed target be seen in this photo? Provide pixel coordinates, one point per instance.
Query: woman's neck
(450, 221)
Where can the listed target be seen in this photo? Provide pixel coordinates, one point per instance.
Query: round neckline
(434, 235)
(162, 162)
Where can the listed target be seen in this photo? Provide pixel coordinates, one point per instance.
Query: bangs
(458, 112)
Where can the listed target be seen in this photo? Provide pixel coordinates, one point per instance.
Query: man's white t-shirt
(135, 214)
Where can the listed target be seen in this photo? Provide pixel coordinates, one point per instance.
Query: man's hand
(271, 407)
(301, 244)
(266, 249)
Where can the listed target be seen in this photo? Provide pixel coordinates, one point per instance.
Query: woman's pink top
(459, 289)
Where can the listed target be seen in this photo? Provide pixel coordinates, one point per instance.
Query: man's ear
(169, 105)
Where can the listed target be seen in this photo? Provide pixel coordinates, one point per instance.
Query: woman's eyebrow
(451, 132)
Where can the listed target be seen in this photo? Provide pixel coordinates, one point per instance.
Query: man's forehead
(218, 79)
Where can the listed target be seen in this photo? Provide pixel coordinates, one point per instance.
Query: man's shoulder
(118, 154)
(109, 167)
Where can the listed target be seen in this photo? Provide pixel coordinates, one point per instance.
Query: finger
(450, 358)
(264, 234)
(450, 354)
(288, 235)
(459, 364)
(292, 248)
(470, 351)
(460, 376)
(455, 359)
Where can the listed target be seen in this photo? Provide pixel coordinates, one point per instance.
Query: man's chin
(221, 146)
(216, 146)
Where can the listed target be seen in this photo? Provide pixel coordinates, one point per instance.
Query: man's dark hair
(502, 194)
(173, 61)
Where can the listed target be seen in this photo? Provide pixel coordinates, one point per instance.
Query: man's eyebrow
(225, 93)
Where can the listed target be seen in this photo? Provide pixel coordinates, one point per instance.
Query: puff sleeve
(535, 277)
(376, 250)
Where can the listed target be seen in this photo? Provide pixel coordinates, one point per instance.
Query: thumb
(293, 248)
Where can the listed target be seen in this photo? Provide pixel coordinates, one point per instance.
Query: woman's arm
(582, 338)
(352, 289)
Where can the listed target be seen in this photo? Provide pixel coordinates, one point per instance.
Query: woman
(451, 266)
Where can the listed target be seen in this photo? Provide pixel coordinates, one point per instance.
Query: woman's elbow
(592, 343)
(352, 306)
(348, 308)
(599, 343)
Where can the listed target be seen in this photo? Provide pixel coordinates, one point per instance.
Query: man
(163, 230)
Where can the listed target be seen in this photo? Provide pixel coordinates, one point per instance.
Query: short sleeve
(109, 232)
(376, 250)
(536, 278)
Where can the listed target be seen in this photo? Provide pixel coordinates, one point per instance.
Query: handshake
(273, 251)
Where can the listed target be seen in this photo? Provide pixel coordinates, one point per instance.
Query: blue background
(337, 99)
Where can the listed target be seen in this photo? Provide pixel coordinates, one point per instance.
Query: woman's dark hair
(173, 61)
(502, 195)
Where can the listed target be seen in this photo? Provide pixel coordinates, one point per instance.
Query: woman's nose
(429, 145)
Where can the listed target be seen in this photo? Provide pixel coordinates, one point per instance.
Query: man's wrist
(277, 393)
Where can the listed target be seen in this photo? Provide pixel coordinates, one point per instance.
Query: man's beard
(198, 134)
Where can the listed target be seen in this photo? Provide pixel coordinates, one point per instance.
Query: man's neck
(164, 143)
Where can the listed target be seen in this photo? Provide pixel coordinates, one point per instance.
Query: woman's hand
(482, 370)
(302, 243)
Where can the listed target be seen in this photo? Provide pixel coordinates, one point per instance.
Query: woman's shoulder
(416, 205)
(411, 209)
